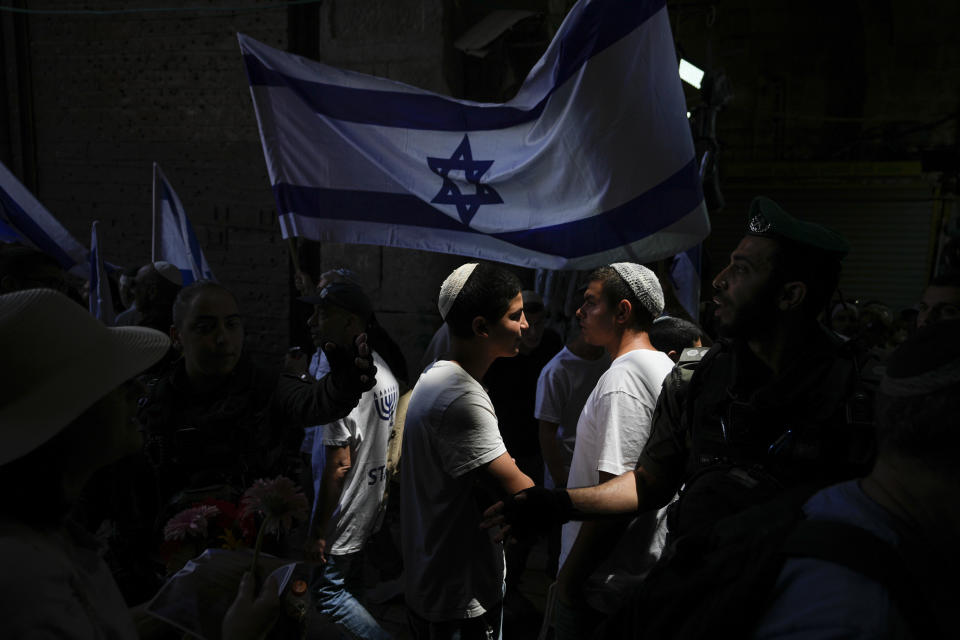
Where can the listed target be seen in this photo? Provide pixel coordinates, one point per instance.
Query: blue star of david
(462, 160)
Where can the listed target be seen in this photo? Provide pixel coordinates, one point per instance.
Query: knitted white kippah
(451, 287)
(644, 284)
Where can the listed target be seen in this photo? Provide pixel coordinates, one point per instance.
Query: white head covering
(169, 272)
(451, 287)
(644, 284)
(58, 360)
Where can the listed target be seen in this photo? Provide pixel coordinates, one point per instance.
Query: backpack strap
(860, 551)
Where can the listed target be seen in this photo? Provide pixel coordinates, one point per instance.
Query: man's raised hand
(353, 370)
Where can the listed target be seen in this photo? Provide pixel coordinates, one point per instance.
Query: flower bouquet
(208, 524)
(197, 595)
(278, 503)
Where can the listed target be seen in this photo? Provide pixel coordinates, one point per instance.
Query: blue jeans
(334, 585)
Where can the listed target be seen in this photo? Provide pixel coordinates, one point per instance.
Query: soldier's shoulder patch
(691, 355)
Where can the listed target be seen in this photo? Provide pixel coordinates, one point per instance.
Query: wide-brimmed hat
(58, 360)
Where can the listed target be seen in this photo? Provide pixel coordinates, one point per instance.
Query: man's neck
(628, 341)
(202, 384)
(779, 343)
(918, 497)
(472, 357)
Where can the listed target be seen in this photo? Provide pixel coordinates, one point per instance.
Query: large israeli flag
(591, 162)
(173, 238)
(23, 219)
(101, 298)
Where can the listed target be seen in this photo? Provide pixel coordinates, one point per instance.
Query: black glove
(349, 379)
(536, 510)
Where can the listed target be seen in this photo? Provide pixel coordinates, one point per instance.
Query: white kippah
(451, 287)
(169, 272)
(644, 284)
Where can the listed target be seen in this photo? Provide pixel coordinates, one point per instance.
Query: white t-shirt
(615, 424)
(366, 431)
(562, 389)
(452, 567)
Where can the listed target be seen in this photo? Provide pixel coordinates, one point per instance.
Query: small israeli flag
(101, 299)
(173, 238)
(23, 219)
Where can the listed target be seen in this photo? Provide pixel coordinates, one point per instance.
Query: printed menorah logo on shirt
(386, 402)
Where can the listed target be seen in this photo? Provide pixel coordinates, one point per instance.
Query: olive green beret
(767, 219)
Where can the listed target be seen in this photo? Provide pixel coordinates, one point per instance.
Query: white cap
(644, 284)
(451, 287)
(169, 272)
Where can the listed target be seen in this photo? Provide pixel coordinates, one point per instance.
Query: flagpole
(153, 244)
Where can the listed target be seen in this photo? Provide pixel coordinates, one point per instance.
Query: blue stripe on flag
(391, 108)
(23, 224)
(603, 23)
(646, 214)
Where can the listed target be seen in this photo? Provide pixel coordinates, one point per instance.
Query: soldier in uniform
(774, 404)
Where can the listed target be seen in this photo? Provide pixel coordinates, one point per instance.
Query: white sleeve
(340, 432)
(625, 420)
(550, 395)
(468, 436)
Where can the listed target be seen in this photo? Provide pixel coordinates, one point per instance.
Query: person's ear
(622, 313)
(479, 326)
(792, 295)
(673, 355)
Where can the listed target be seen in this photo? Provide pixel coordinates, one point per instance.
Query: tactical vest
(744, 448)
(822, 424)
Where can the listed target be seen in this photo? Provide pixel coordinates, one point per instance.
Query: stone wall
(112, 93)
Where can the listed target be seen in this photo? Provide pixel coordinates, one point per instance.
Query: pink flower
(190, 522)
(279, 501)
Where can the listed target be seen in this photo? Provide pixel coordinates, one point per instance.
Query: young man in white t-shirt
(454, 463)
(619, 306)
(563, 387)
(353, 478)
